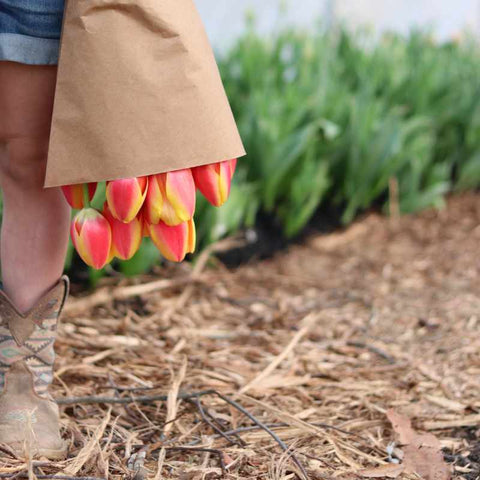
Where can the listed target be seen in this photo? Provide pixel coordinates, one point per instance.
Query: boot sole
(50, 453)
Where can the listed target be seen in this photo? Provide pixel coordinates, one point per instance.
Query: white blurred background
(224, 19)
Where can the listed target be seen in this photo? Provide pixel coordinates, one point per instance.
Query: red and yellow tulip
(214, 180)
(126, 237)
(74, 194)
(92, 237)
(125, 197)
(170, 198)
(159, 206)
(174, 242)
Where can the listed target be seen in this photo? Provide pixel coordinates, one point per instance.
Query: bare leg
(35, 223)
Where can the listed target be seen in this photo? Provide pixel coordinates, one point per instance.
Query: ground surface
(318, 343)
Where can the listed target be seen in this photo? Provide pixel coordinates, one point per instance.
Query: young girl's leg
(35, 221)
(33, 245)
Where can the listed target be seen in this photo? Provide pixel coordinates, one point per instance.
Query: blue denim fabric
(30, 31)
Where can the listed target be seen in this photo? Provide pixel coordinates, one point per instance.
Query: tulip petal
(192, 236)
(224, 181)
(125, 197)
(92, 237)
(111, 255)
(180, 193)
(74, 194)
(126, 237)
(233, 166)
(173, 242)
(95, 243)
(169, 240)
(206, 181)
(170, 198)
(145, 231)
(214, 181)
(154, 201)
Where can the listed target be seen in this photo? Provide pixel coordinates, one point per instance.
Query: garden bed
(320, 344)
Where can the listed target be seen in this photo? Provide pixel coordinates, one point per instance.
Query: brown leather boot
(29, 419)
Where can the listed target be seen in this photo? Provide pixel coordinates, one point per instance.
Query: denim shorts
(30, 31)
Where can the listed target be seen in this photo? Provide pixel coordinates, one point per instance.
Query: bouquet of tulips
(159, 206)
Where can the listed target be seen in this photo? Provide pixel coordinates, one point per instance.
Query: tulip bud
(126, 237)
(74, 194)
(174, 242)
(125, 197)
(92, 237)
(214, 181)
(170, 198)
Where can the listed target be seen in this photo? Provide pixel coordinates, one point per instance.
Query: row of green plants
(329, 119)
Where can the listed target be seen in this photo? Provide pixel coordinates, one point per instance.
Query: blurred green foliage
(331, 118)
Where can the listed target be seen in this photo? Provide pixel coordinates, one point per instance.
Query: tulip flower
(126, 237)
(92, 237)
(125, 197)
(214, 180)
(170, 198)
(173, 242)
(74, 194)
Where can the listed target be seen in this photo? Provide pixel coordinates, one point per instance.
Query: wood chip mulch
(309, 365)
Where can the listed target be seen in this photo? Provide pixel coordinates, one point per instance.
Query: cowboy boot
(29, 417)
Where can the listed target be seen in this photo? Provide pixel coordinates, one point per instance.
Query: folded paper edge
(48, 183)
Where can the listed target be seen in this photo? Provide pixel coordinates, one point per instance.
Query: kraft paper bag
(138, 93)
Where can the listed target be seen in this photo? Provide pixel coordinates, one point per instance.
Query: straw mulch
(309, 363)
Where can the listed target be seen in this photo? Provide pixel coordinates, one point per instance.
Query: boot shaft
(29, 338)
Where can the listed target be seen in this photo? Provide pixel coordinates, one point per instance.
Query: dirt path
(323, 339)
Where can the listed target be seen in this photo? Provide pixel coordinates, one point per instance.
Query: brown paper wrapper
(138, 93)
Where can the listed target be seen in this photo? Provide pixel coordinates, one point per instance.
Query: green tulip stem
(86, 196)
